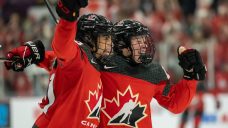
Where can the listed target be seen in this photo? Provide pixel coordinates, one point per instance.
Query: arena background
(200, 24)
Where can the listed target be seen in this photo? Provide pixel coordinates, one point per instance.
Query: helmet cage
(123, 33)
(107, 49)
(90, 26)
(144, 50)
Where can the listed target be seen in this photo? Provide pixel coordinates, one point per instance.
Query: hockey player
(130, 75)
(131, 81)
(74, 93)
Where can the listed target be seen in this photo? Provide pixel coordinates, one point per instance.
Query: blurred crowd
(201, 24)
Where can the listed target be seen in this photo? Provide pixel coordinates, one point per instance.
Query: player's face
(104, 45)
(139, 47)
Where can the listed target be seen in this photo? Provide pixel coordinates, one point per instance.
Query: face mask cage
(104, 46)
(90, 29)
(142, 48)
(103, 34)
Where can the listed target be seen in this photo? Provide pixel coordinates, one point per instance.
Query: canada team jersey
(129, 90)
(74, 93)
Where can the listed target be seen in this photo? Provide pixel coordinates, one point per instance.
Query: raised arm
(63, 42)
(177, 97)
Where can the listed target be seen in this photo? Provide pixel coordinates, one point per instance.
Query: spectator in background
(219, 26)
(22, 85)
(197, 107)
(17, 29)
(188, 7)
(12, 34)
(125, 9)
(20, 6)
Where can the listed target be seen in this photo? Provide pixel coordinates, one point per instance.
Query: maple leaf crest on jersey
(94, 102)
(126, 109)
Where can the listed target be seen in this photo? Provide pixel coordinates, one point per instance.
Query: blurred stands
(201, 24)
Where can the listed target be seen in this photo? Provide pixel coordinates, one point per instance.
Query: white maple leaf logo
(94, 102)
(125, 110)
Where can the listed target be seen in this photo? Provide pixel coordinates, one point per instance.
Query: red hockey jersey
(128, 91)
(74, 93)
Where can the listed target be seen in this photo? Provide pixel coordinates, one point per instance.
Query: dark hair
(90, 26)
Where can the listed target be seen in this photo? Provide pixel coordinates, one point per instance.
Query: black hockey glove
(23, 56)
(69, 9)
(192, 64)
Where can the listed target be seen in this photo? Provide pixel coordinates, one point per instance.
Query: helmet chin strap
(145, 59)
(106, 61)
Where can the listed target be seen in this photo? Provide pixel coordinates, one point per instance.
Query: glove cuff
(197, 73)
(188, 75)
(65, 11)
(38, 51)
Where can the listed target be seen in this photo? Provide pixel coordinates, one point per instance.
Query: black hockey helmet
(90, 26)
(124, 30)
